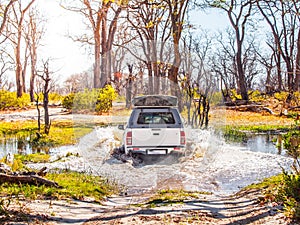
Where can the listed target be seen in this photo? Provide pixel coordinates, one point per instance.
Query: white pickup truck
(155, 127)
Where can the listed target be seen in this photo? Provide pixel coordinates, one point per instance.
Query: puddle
(212, 165)
(15, 144)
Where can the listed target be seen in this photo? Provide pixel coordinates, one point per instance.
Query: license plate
(157, 152)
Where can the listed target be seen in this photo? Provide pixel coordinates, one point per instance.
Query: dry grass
(237, 118)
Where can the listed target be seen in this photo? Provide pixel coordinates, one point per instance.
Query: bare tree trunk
(150, 79)
(46, 89)
(279, 74)
(20, 83)
(45, 104)
(97, 83)
(31, 84)
(129, 87)
(297, 78)
(241, 74)
(39, 111)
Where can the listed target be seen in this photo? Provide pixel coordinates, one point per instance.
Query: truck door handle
(155, 133)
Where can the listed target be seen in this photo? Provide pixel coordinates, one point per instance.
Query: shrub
(68, 100)
(256, 96)
(55, 98)
(216, 98)
(287, 193)
(95, 100)
(105, 98)
(9, 100)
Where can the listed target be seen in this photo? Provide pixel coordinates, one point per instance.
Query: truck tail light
(182, 137)
(129, 138)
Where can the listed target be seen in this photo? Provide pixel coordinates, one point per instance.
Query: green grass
(239, 133)
(73, 185)
(282, 189)
(61, 133)
(34, 158)
(263, 128)
(269, 182)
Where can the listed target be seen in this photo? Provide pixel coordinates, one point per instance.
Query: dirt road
(212, 166)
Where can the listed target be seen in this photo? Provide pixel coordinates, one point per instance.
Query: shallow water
(212, 165)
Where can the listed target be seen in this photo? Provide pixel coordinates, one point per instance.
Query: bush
(216, 98)
(256, 96)
(9, 100)
(95, 100)
(85, 100)
(105, 98)
(68, 100)
(55, 98)
(287, 193)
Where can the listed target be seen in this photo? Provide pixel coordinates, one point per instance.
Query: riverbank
(240, 208)
(211, 172)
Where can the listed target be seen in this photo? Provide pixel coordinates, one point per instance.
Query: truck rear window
(156, 118)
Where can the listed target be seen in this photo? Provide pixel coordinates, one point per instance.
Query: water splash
(211, 165)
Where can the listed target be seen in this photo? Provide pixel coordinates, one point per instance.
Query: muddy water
(212, 165)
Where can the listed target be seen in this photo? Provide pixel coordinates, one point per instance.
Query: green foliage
(269, 183)
(287, 193)
(85, 100)
(55, 98)
(34, 158)
(9, 100)
(61, 133)
(292, 143)
(281, 96)
(74, 185)
(105, 98)
(79, 185)
(256, 96)
(68, 100)
(216, 98)
(234, 95)
(95, 100)
(233, 134)
(20, 128)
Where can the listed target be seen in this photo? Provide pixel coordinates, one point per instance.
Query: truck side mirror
(121, 127)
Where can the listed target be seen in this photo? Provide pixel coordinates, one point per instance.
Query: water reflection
(23, 144)
(20, 144)
(266, 143)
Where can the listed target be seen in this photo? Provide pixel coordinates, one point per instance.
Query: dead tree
(200, 115)
(129, 87)
(46, 87)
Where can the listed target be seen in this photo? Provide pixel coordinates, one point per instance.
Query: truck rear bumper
(160, 150)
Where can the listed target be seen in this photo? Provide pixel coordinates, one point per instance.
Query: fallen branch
(253, 108)
(294, 108)
(26, 179)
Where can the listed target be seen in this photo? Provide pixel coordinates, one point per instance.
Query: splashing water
(211, 165)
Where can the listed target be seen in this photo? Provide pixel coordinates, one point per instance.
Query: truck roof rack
(155, 101)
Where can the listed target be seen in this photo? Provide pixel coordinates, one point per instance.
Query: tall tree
(33, 34)
(4, 13)
(44, 85)
(148, 20)
(177, 15)
(238, 13)
(15, 34)
(283, 20)
(102, 18)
